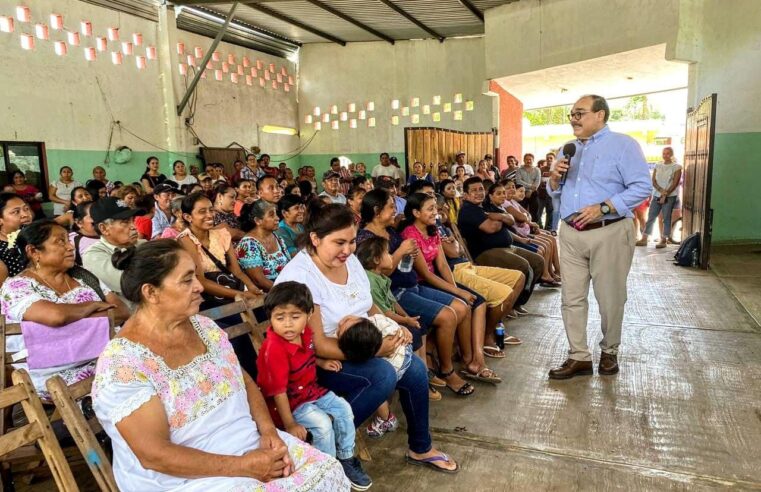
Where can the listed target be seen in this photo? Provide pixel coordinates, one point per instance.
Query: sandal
(493, 351)
(549, 284)
(511, 340)
(433, 394)
(485, 375)
(434, 380)
(429, 462)
(466, 389)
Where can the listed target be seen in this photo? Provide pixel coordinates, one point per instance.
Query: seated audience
(362, 182)
(79, 195)
(354, 201)
(344, 175)
(116, 225)
(152, 176)
(288, 380)
(178, 224)
(29, 193)
(292, 189)
(419, 173)
(52, 291)
(291, 209)
(246, 193)
(438, 311)
(180, 175)
(224, 215)
(460, 161)
(14, 213)
(387, 169)
(128, 194)
(448, 190)
(389, 185)
(144, 223)
(99, 174)
(180, 412)
(269, 190)
(261, 253)
(96, 189)
(59, 191)
(340, 288)
(162, 217)
(483, 171)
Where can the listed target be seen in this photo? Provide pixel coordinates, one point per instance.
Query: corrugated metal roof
(447, 17)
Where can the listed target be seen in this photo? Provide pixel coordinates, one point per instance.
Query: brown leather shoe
(608, 364)
(571, 368)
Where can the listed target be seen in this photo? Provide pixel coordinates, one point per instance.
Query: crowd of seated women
(179, 401)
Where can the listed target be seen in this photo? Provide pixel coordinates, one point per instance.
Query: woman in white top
(340, 289)
(60, 191)
(665, 193)
(171, 395)
(181, 176)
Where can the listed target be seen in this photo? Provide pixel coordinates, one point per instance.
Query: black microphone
(569, 150)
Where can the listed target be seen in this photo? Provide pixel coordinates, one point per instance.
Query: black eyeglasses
(576, 115)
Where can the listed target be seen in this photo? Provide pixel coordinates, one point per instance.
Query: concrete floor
(684, 413)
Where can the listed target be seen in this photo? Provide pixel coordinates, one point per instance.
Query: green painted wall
(735, 198)
(82, 162)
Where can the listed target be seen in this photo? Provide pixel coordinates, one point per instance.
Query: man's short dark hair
(419, 185)
(357, 181)
(471, 181)
(361, 341)
(335, 159)
(293, 293)
(599, 104)
(383, 153)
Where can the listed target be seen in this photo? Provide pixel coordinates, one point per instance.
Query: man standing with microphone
(598, 184)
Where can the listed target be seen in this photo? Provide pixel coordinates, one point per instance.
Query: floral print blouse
(252, 254)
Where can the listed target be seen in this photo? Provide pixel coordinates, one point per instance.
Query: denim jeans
(368, 384)
(656, 208)
(555, 214)
(334, 437)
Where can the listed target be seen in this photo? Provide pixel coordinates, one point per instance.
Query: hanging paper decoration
(150, 52)
(240, 71)
(27, 41)
(283, 72)
(362, 115)
(113, 34)
(316, 111)
(218, 75)
(326, 118)
(85, 27)
(127, 48)
(140, 62)
(274, 84)
(334, 109)
(272, 67)
(246, 62)
(231, 59)
(290, 80)
(371, 122)
(56, 21)
(198, 52)
(334, 125)
(458, 115)
(286, 88)
(371, 106)
(41, 31)
(267, 76)
(234, 78)
(395, 104)
(203, 74)
(415, 102)
(137, 39)
(436, 117)
(405, 111)
(469, 105)
(259, 64)
(344, 116)
(23, 14)
(262, 82)
(352, 108)
(209, 65)
(191, 60)
(90, 53)
(183, 69)
(395, 120)
(458, 98)
(225, 67)
(249, 80)
(73, 38)
(308, 119)
(180, 48)
(253, 72)
(415, 118)
(353, 123)
(6, 23)
(60, 48)
(447, 107)
(101, 43)
(426, 109)
(436, 100)
(117, 57)
(317, 126)
(215, 56)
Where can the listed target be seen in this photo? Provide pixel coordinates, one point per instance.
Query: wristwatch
(604, 208)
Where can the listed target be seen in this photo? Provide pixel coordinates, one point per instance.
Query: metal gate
(698, 165)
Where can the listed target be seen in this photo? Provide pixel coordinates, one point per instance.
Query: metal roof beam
(412, 19)
(474, 10)
(290, 20)
(351, 20)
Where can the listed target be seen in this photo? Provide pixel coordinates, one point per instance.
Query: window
(345, 161)
(28, 157)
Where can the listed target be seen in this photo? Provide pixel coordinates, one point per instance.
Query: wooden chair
(248, 325)
(37, 431)
(81, 430)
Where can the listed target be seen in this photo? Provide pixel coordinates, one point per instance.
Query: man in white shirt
(459, 160)
(665, 193)
(331, 182)
(386, 169)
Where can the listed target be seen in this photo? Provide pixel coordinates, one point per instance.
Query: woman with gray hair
(261, 253)
(179, 224)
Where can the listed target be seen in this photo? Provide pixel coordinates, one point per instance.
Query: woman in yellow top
(449, 191)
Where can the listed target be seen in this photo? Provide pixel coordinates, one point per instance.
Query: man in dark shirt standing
(489, 240)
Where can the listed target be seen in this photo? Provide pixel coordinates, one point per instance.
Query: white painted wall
(531, 35)
(380, 72)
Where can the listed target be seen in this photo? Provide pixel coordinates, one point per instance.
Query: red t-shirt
(144, 226)
(285, 367)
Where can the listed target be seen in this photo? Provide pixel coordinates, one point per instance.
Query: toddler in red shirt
(287, 376)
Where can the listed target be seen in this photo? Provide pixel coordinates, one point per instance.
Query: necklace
(58, 292)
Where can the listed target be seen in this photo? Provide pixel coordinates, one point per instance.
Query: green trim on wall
(734, 198)
(83, 161)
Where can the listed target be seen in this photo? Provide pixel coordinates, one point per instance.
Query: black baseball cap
(112, 208)
(330, 175)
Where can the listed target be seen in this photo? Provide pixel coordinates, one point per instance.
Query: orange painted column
(510, 141)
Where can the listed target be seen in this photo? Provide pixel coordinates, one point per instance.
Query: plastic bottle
(499, 334)
(405, 265)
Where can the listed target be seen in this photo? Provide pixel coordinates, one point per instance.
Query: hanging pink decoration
(6, 23)
(266, 75)
(41, 31)
(218, 75)
(344, 116)
(240, 70)
(60, 48)
(262, 82)
(180, 48)
(308, 119)
(127, 48)
(283, 72)
(198, 52)
(279, 78)
(137, 39)
(246, 62)
(287, 88)
(183, 69)
(231, 59)
(73, 38)
(90, 53)
(85, 27)
(272, 67)
(259, 64)
(191, 60)
(150, 52)
(101, 44)
(27, 41)
(249, 80)
(317, 126)
(334, 125)
(215, 56)
(203, 74)
(225, 67)
(326, 118)
(290, 80)
(117, 58)
(353, 123)
(140, 62)
(274, 84)
(56, 21)
(253, 72)
(23, 14)
(234, 78)
(113, 34)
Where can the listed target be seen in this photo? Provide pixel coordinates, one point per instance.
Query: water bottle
(405, 266)
(499, 334)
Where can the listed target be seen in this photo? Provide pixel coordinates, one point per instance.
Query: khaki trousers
(603, 256)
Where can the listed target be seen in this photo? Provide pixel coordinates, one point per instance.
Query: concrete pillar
(167, 39)
(510, 138)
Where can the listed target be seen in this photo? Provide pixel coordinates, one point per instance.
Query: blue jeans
(656, 208)
(335, 437)
(368, 384)
(555, 214)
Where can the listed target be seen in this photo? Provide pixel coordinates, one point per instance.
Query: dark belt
(596, 225)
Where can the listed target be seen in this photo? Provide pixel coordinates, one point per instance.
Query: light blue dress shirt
(608, 166)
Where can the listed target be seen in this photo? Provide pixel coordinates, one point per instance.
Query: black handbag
(224, 277)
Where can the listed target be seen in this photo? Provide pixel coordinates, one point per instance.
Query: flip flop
(429, 462)
(493, 351)
(490, 378)
(511, 340)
